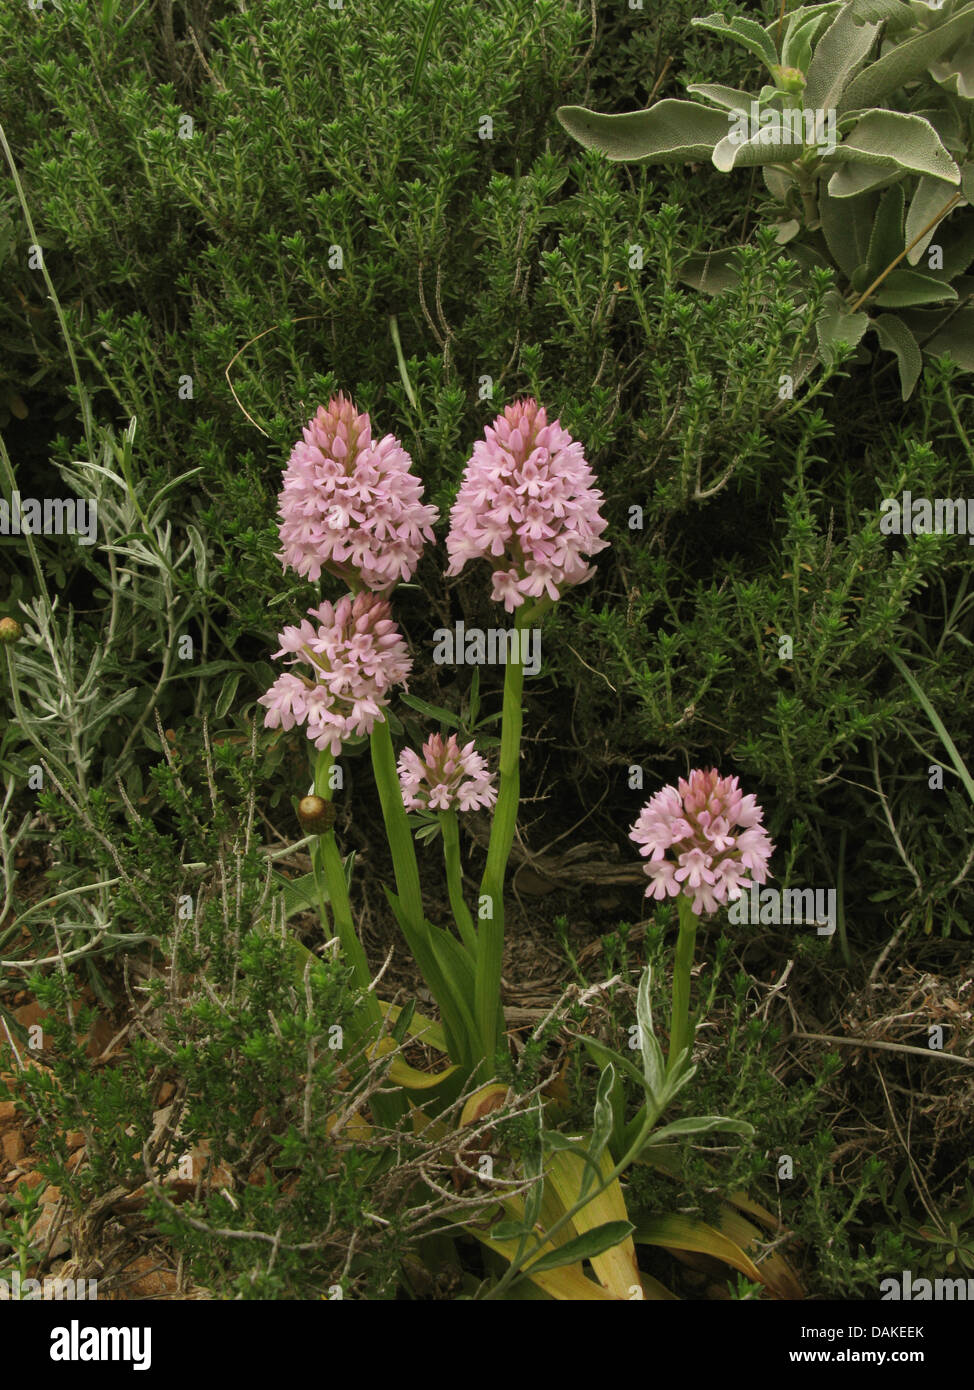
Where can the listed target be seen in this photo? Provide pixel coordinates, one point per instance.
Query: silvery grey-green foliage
(897, 81)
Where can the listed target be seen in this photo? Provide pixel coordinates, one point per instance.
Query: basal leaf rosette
(351, 506)
(704, 839)
(351, 660)
(528, 505)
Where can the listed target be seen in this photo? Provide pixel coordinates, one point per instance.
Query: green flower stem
(491, 940)
(327, 863)
(454, 880)
(326, 860)
(681, 1028)
(436, 972)
(491, 932)
(397, 826)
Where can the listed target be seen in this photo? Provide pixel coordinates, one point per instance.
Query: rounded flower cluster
(445, 776)
(703, 837)
(528, 505)
(355, 654)
(351, 506)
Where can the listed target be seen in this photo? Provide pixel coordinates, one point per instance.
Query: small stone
(29, 1014)
(41, 1229)
(14, 1147)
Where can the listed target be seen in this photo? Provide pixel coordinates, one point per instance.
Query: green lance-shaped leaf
(800, 35)
(946, 122)
(894, 335)
(583, 1247)
(712, 272)
(746, 32)
(956, 240)
(889, 137)
(904, 62)
(852, 179)
(735, 152)
(654, 1064)
(894, 13)
(886, 240)
(956, 73)
(728, 98)
(300, 894)
(835, 324)
(838, 56)
(956, 338)
(906, 289)
(929, 198)
(681, 131)
(534, 1168)
(700, 1124)
(604, 1055)
(444, 716)
(602, 1126)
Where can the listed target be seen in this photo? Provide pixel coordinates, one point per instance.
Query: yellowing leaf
(616, 1269)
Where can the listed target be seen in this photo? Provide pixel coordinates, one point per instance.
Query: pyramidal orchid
(352, 658)
(703, 838)
(445, 777)
(351, 506)
(527, 505)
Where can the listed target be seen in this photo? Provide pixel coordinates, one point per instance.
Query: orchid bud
(316, 815)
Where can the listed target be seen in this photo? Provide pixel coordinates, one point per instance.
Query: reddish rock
(29, 1014)
(41, 1230)
(100, 1036)
(149, 1282)
(13, 1146)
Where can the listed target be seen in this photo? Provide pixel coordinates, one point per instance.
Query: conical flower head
(351, 506)
(703, 838)
(446, 776)
(528, 505)
(351, 660)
